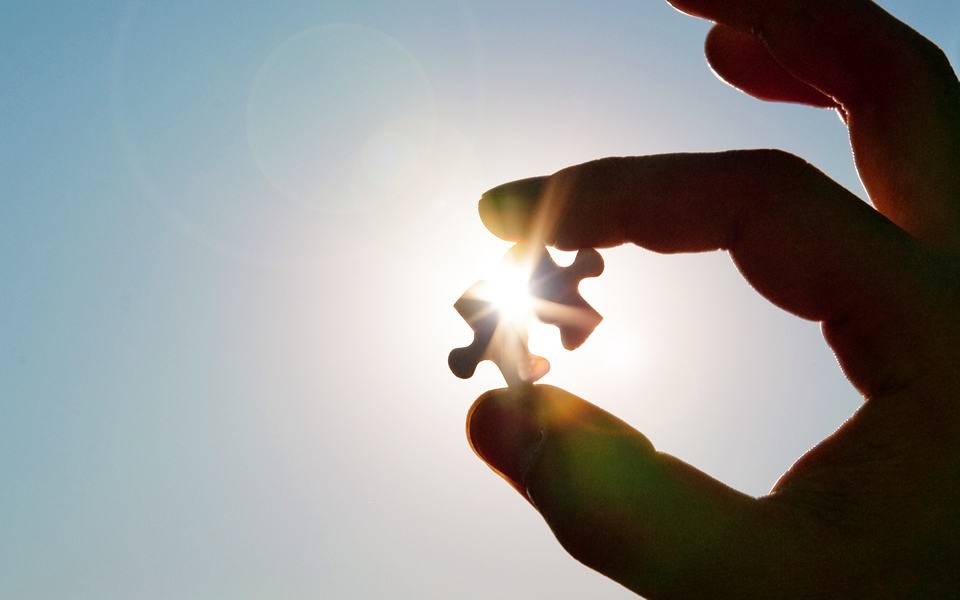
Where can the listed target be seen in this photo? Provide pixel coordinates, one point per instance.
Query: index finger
(803, 241)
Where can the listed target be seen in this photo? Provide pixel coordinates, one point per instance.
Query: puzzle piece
(495, 339)
(556, 300)
(557, 293)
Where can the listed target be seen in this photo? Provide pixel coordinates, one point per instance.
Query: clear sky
(231, 234)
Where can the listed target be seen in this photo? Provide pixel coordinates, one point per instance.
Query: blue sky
(230, 240)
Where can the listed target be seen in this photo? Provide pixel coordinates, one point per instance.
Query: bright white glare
(510, 294)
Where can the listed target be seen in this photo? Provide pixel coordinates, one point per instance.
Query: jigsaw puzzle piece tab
(557, 293)
(501, 342)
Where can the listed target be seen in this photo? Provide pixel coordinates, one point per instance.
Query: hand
(874, 510)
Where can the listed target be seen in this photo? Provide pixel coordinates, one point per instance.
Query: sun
(501, 310)
(509, 292)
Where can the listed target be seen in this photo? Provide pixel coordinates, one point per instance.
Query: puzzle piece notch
(502, 343)
(558, 291)
(557, 301)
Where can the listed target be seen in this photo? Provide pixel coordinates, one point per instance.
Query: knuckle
(930, 59)
(793, 175)
(777, 160)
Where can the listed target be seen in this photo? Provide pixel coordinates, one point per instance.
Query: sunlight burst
(510, 294)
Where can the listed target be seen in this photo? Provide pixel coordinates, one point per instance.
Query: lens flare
(510, 294)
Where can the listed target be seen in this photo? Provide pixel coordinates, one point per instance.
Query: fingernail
(507, 210)
(505, 433)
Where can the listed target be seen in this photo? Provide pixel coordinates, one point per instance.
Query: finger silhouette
(898, 93)
(644, 518)
(803, 241)
(743, 61)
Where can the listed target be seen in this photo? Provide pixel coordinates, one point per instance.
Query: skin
(873, 511)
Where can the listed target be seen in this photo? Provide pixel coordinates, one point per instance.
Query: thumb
(643, 518)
